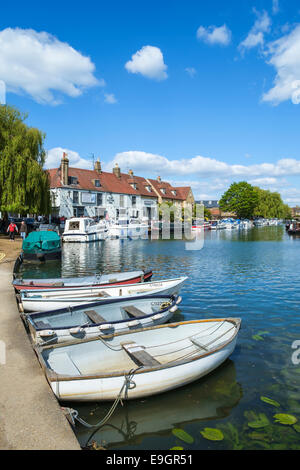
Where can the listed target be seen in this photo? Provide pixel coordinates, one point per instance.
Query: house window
(148, 188)
(133, 185)
(97, 183)
(99, 199)
(163, 190)
(133, 200)
(174, 193)
(121, 201)
(72, 180)
(75, 197)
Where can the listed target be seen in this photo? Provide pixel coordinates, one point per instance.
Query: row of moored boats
(102, 337)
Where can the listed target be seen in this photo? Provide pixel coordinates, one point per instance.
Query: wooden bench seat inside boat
(134, 312)
(139, 354)
(94, 316)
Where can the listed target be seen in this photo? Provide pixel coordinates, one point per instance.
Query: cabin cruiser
(128, 228)
(84, 229)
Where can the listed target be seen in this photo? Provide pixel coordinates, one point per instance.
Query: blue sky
(200, 93)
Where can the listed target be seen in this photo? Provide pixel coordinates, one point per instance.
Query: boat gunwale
(172, 298)
(53, 376)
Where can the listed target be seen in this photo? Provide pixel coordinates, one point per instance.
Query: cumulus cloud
(256, 35)
(54, 157)
(147, 163)
(41, 66)
(214, 35)
(284, 55)
(149, 62)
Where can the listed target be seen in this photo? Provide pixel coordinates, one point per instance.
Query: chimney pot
(117, 171)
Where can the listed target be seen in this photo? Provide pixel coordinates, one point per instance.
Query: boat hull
(184, 364)
(44, 301)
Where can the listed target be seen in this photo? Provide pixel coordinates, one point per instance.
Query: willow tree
(24, 185)
(270, 205)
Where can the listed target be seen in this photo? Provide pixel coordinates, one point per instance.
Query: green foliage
(270, 205)
(241, 198)
(24, 185)
(256, 420)
(270, 401)
(284, 418)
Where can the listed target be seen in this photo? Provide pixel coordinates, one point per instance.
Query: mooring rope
(128, 384)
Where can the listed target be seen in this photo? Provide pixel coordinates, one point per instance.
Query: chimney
(130, 172)
(98, 167)
(64, 169)
(158, 179)
(117, 171)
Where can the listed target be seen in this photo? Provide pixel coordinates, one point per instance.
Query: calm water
(253, 275)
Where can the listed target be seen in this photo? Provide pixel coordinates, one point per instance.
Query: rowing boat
(108, 317)
(145, 362)
(53, 299)
(96, 280)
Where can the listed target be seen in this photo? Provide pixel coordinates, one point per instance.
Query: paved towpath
(30, 415)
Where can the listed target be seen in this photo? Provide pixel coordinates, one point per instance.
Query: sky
(200, 93)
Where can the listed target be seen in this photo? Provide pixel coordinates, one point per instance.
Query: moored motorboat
(126, 277)
(52, 299)
(101, 318)
(128, 228)
(84, 229)
(145, 362)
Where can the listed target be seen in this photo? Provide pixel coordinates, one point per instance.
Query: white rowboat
(53, 299)
(107, 317)
(138, 364)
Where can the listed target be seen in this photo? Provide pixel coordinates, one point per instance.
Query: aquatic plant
(183, 435)
(284, 418)
(212, 434)
(270, 401)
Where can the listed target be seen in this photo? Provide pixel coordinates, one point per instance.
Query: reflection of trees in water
(255, 234)
(212, 397)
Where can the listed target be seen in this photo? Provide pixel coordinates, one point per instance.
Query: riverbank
(31, 418)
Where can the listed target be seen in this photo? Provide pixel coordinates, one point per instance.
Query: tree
(24, 185)
(270, 205)
(241, 198)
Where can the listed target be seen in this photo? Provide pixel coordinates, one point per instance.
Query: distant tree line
(24, 185)
(249, 202)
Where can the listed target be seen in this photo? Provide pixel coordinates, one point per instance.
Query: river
(253, 275)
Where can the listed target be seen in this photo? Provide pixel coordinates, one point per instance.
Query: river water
(253, 275)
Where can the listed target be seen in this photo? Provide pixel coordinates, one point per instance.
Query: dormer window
(97, 183)
(163, 190)
(174, 193)
(133, 185)
(72, 180)
(149, 189)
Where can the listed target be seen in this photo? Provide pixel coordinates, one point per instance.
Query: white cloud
(214, 35)
(149, 62)
(263, 181)
(256, 34)
(191, 71)
(148, 163)
(110, 98)
(54, 157)
(284, 55)
(38, 64)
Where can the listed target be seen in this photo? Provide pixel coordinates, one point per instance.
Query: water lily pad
(183, 435)
(270, 401)
(297, 427)
(212, 434)
(257, 420)
(176, 448)
(284, 418)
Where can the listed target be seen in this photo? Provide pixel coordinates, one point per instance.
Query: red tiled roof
(111, 183)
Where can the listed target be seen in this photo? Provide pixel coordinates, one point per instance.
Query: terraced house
(95, 193)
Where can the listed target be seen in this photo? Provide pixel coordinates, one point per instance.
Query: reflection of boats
(130, 277)
(53, 299)
(210, 398)
(156, 359)
(41, 246)
(128, 228)
(84, 229)
(101, 318)
(245, 224)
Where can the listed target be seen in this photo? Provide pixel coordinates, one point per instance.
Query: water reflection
(212, 397)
